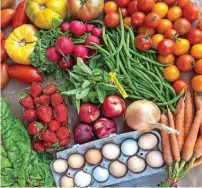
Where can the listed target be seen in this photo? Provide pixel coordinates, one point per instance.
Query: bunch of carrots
(184, 151)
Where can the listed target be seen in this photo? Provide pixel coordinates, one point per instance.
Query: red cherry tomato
(182, 3)
(111, 19)
(122, 3)
(195, 36)
(182, 26)
(166, 47)
(185, 63)
(180, 85)
(143, 42)
(171, 34)
(145, 5)
(170, 2)
(191, 12)
(152, 20)
(138, 19)
(124, 12)
(198, 67)
(132, 7)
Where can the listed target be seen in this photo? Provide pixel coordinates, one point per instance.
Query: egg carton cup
(149, 177)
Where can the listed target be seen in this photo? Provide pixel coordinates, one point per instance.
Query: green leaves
(83, 67)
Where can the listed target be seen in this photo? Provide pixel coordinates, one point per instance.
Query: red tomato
(138, 19)
(2, 36)
(122, 3)
(111, 19)
(143, 42)
(182, 26)
(4, 54)
(164, 25)
(196, 83)
(6, 17)
(127, 21)
(124, 12)
(166, 47)
(180, 85)
(25, 73)
(145, 5)
(132, 7)
(191, 12)
(195, 36)
(152, 20)
(185, 63)
(145, 30)
(170, 2)
(171, 34)
(182, 3)
(198, 67)
(4, 74)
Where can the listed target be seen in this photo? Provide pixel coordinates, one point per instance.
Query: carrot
(173, 139)
(167, 152)
(198, 101)
(189, 113)
(198, 148)
(190, 141)
(201, 129)
(179, 102)
(197, 162)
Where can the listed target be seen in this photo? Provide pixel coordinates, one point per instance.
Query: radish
(90, 39)
(52, 54)
(80, 51)
(65, 26)
(65, 63)
(64, 45)
(96, 32)
(78, 28)
(89, 27)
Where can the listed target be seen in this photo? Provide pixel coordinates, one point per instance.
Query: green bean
(132, 37)
(135, 97)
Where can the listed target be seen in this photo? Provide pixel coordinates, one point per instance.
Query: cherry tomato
(170, 2)
(180, 85)
(198, 67)
(111, 19)
(196, 51)
(181, 46)
(110, 6)
(161, 9)
(146, 30)
(122, 3)
(196, 83)
(127, 21)
(166, 60)
(185, 63)
(171, 34)
(174, 13)
(138, 19)
(4, 75)
(191, 12)
(200, 24)
(171, 73)
(2, 36)
(182, 3)
(195, 36)
(4, 54)
(145, 5)
(6, 17)
(124, 12)
(143, 42)
(152, 20)
(182, 26)
(166, 47)
(164, 25)
(156, 39)
(132, 7)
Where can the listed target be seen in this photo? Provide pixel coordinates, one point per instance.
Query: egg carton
(149, 177)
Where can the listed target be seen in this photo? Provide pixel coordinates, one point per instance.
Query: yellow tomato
(20, 43)
(196, 51)
(156, 39)
(171, 73)
(161, 9)
(127, 21)
(43, 12)
(181, 46)
(166, 60)
(164, 25)
(174, 13)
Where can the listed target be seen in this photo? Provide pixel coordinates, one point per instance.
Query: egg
(111, 151)
(93, 156)
(60, 166)
(129, 147)
(136, 164)
(100, 174)
(76, 161)
(155, 159)
(82, 179)
(148, 141)
(117, 169)
(66, 181)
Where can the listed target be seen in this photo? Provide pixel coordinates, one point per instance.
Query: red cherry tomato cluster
(165, 26)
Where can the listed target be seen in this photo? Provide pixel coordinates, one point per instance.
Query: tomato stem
(42, 6)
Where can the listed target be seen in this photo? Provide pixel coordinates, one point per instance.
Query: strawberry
(61, 113)
(38, 146)
(49, 89)
(64, 142)
(36, 101)
(36, 89)
(43, 99)
(29, 115)
(53, 125)
(49, 136)
(44, 113)
(56, 98)
(26, 101)
(35, 127)
(63, 133)
(48, 144)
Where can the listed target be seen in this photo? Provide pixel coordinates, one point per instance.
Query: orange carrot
(190, 141)
(179, 102)
(166, 146)
(189, 112)
(198, 101)
(173, 139)
(197, 162)
(201, 129)
(198, 148)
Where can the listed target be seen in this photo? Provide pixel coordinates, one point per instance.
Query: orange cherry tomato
(111, 19)
(156, 39)
(127, 21)
(200, 24)
(171, 34)
(161, 9)
(185, 63)
(4, 75)
(196, 51)
(171, 73)
(196, 83)
(2, 35)
(181, 46)
(124, 12)
(182, 26)
(146, 30)
(110, 6)
(6, 17)
(174, 13)
(166, 60)
(182, 3)
(198, 67)
(180, 85)
(164, 25)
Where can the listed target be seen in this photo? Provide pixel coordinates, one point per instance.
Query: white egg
(148, 141)
(82, 179)
(129, 147)
(111, 151)
(136, 164)
(76, 161)
(60, 166)
(118, 169)
(155, 159)
(100, 174)
(66, 181)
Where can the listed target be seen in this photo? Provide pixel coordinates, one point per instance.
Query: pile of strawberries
(47, 117)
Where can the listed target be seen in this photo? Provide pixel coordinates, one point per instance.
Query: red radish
(65, 26)
(38, 146)
(113, 106)
(83, 133)
(80, 51)
(96, 32)
(52, 54)
(77, 27)
(64, 45)
(103, 127)
(93, 39)
(65, 64)
(88, 113)
(89, 27)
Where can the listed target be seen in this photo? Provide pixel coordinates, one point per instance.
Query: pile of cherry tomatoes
(165, 26)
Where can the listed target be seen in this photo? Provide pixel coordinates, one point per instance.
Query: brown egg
(118, 169)
(93, 156)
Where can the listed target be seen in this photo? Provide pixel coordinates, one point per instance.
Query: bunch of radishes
(65, 52)
(47, 116)
(93, 125)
